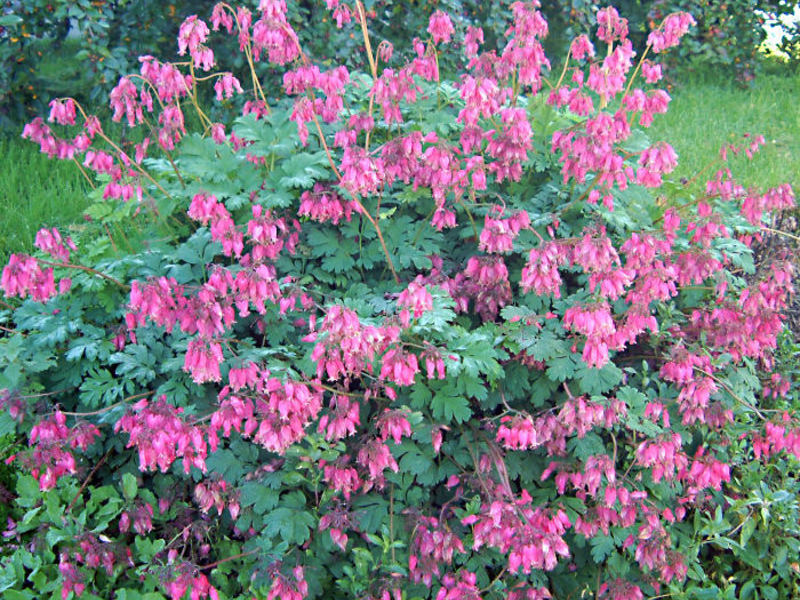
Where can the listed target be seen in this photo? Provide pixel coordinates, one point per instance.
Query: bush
(396, 335)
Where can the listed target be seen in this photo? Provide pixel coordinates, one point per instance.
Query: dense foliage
(398, 335)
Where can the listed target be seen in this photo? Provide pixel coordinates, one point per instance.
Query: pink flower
(50, 241)
(226, 85)
(23, 276)
(62, 111)
(394, 424)
(342, 478)
(674, 27)
(203, 358)
(123, 99)
(518, 433)
(284, 588)
(220, 16)
(498, 234)
(415, 298)
(192, 33)
(651, 71)
(440, 27)
(323, 204)
(619, 589)
(610, 26)
(581, 47)
(399, 367)
(472, 39)
(342, 418)
(376, 458)
(161, 436)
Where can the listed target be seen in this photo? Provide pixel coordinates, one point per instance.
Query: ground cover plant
(396, 335)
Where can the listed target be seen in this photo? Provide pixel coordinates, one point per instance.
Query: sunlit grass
(707, 112)
(35, 192)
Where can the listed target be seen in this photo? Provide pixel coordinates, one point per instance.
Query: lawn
(706, 113)
(35, 191)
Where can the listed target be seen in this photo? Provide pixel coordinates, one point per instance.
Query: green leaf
(371, 512)
(27, 490)
(711, 593)
(589, 445)
(450, 408)
(129, 486)
(10, 20)
(602, 546)
(227, 463)
(294, 526)
(146, 549)
(7, 424)
(259, 496)
(561, 368)
(747, 590)
(413, 459)
(17, 594)
(303, 169)
(598, 381)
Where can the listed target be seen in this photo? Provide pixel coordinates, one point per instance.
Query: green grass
(35, 192)
(706, 113)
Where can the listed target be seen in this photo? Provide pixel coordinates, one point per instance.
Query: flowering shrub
(397, 336)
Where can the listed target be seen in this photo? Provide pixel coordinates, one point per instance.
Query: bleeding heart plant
(398, 334)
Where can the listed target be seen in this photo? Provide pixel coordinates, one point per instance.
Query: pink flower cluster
(376, 457)
(184, 577)
(485, 281)
(341, 477)
(161, 436)
(576, 416)
(341, 419)
(192, 35)
(52, 444)
(216, 494)
(346, 348)
(619, 589)
(498, 234)
(285, 588)
(674, 27)
(274, 413)
(308, 79)
(337, 521)
(664, 456)
(440, 27)
(462, 586)
(777, 437)
(142, 516)
(532, 537)
(23, 276)
(433, 545)
(325, 205)
(51, 242)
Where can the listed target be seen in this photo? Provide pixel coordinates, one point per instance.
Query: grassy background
(707, 112)
(35, 192)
